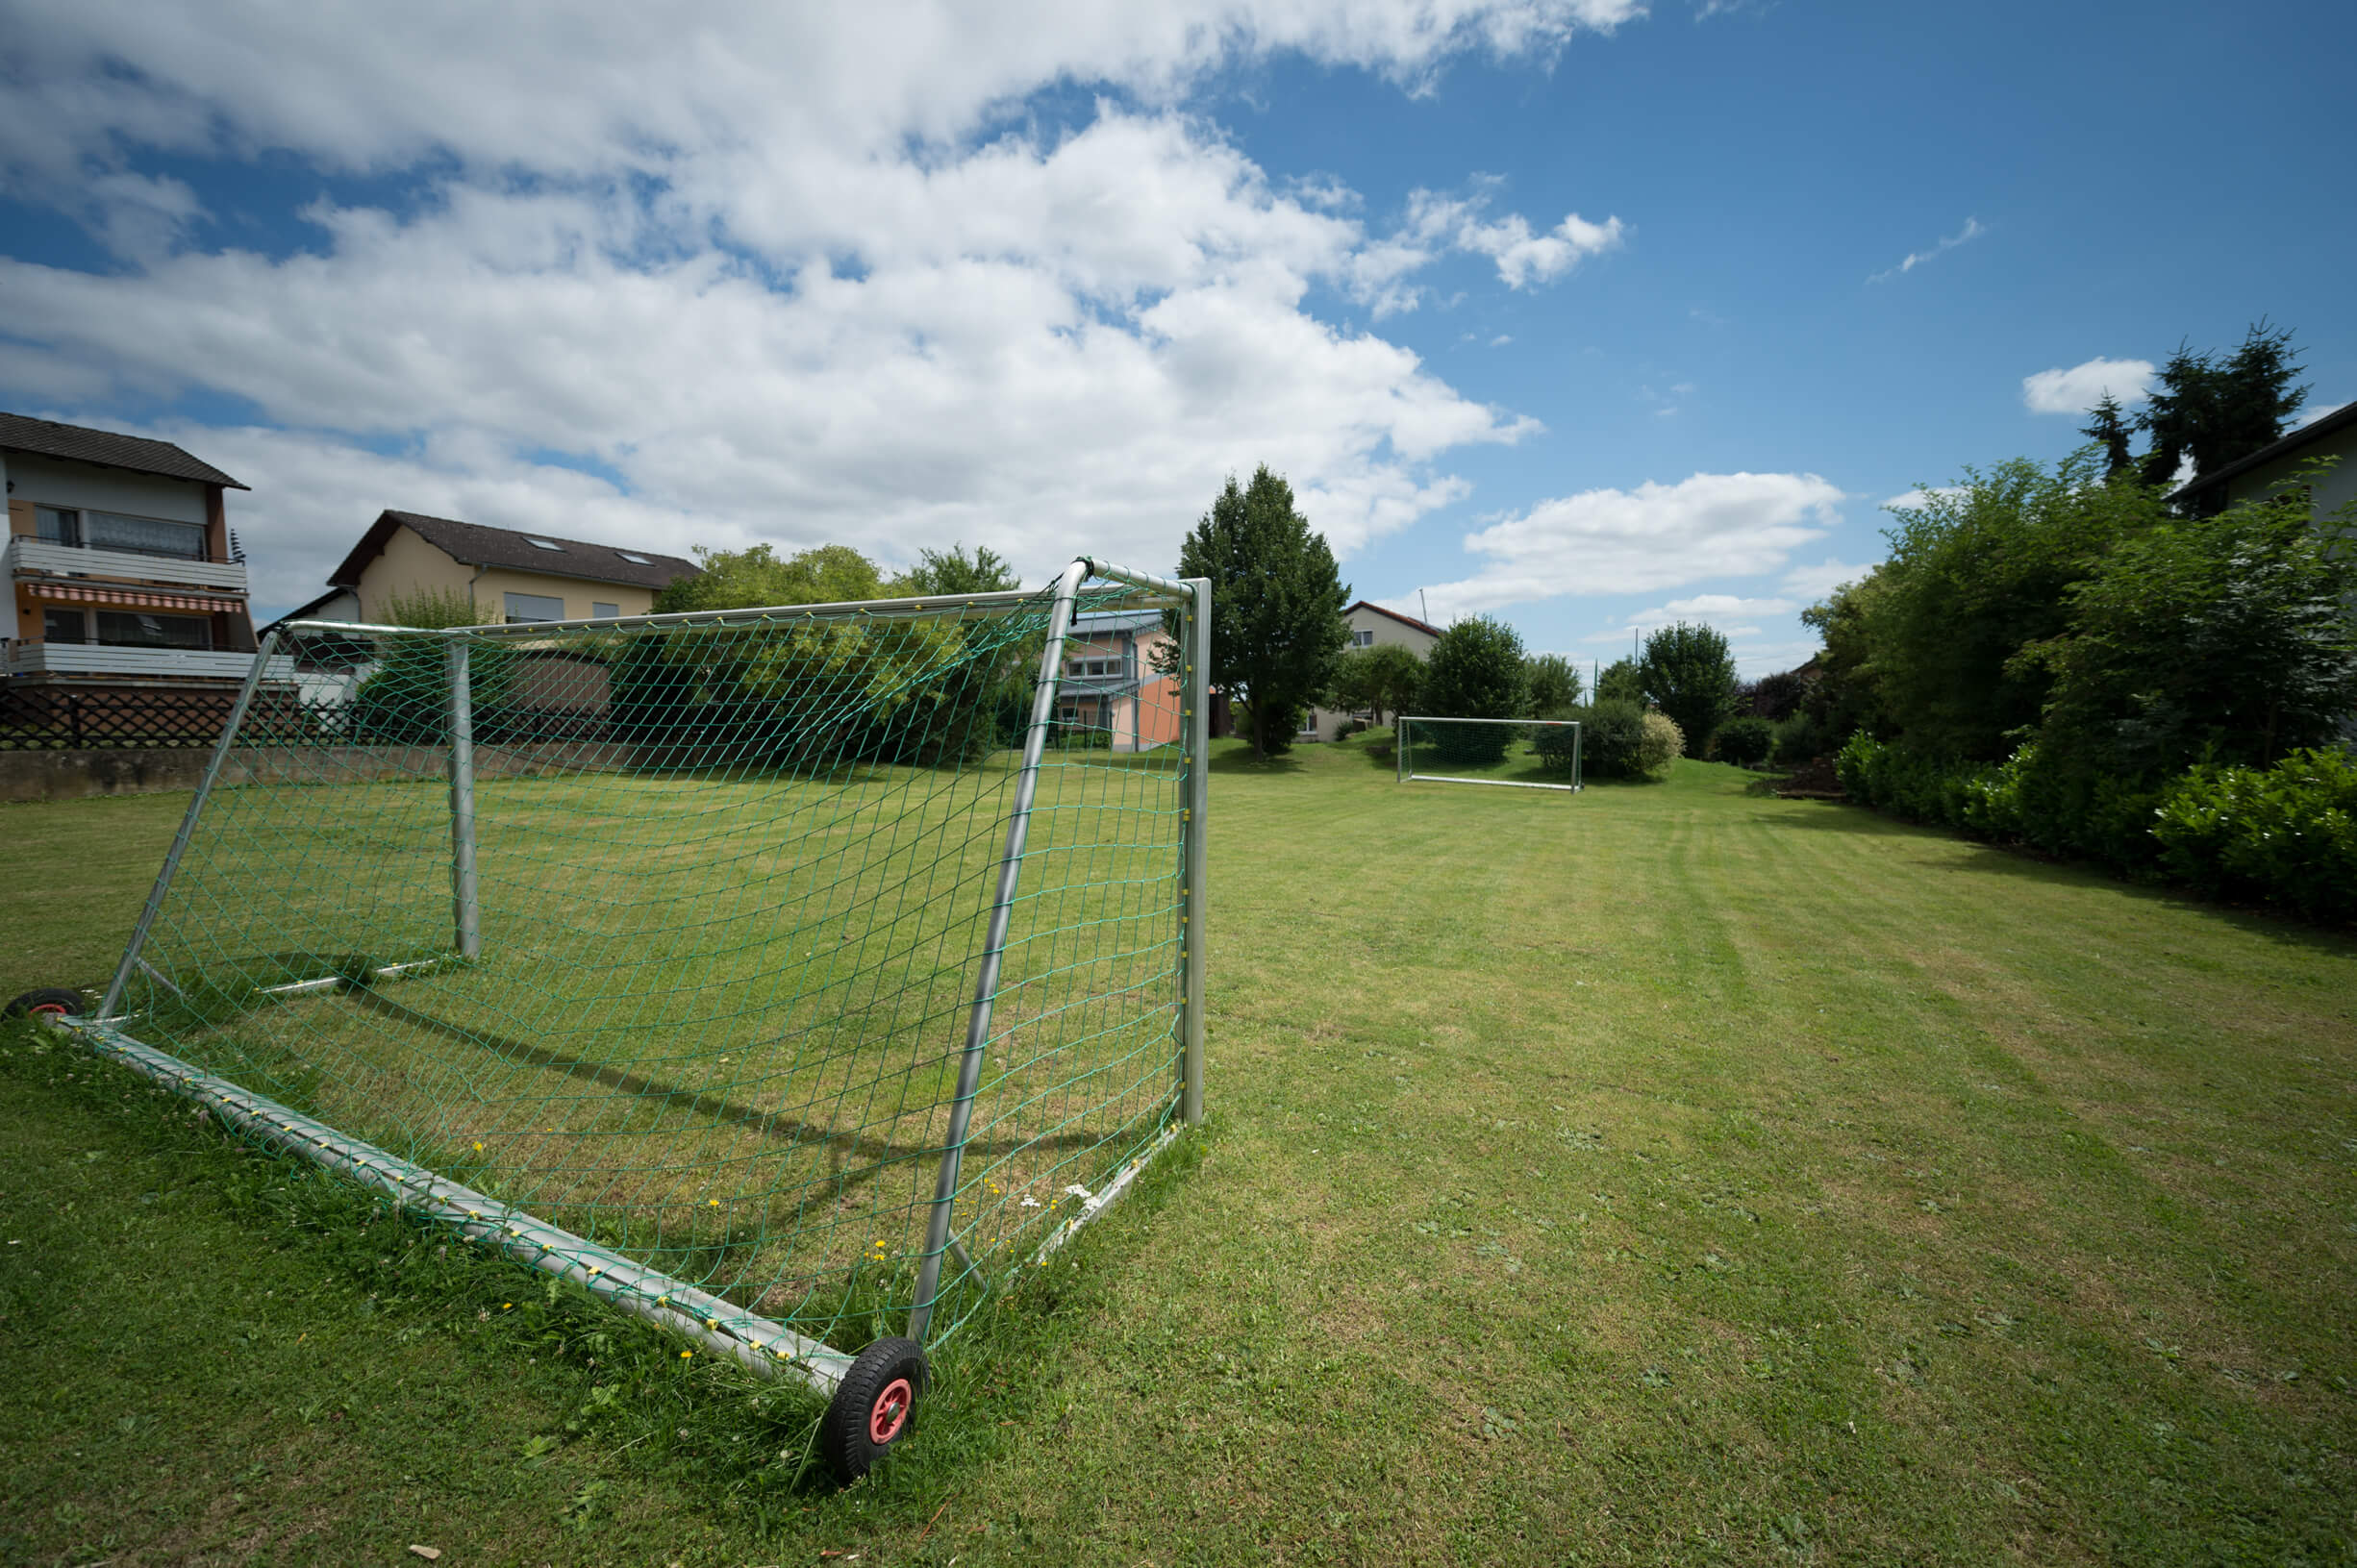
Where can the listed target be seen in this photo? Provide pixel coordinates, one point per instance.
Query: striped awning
(88, 593)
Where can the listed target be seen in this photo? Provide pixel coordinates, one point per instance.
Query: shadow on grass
(2014, 860)
(1242, 760)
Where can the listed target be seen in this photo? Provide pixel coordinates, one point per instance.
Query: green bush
(1661, 744)
(1612, 734)
(2286, 835)
(1745, 742)
(1803, 737)
(1556, 748)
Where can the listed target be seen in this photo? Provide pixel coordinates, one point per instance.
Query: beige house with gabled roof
(512, 574)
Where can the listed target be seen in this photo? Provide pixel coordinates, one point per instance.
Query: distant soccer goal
(768, 973)
(1520, 754)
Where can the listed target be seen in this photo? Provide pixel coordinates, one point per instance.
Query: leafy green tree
(906, 691)
(1690, 676)
(2226, 640)
(1975, 573)
(940, 572)
(1476, 671)
(1621, 682)
(2214, 410)
(1383, 679)
(754, 577)
(1555, 686)
(1277, 626)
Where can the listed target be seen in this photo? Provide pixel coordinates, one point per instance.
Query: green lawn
(1660, 1173)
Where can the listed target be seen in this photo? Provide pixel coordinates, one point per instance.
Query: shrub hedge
(2285, 834)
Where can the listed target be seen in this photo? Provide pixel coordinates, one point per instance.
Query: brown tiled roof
(474, 544)
(47, 438)
(1405, 620)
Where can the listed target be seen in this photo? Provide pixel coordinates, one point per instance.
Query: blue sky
(1581, 312)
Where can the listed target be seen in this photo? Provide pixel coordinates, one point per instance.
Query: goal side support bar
(756, 1342)
(108, 1009)
(994, 952)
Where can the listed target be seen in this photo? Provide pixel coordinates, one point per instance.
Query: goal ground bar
(1504, 783)
(754, 1341)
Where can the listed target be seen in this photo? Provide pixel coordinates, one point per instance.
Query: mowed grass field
(1661, 1174)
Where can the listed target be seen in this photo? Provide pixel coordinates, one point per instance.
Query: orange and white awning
(88, 593)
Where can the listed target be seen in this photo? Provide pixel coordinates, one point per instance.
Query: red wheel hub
(890, 1412)
(48, 1009)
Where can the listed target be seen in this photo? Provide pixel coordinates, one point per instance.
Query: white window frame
(506, 607)
(1363, 638)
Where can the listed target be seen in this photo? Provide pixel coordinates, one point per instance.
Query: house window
(535, 607)
(115, 531)
(144, 535)
(604, 611)
(62, 626)
(1361, 639)
(545, 544)
(1093, 667)
(137, 629)
(636, 560)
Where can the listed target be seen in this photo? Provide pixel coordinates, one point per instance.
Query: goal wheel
(874, 1408)
(49, 1003)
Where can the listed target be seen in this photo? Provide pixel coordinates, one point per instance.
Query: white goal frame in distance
(1399, 752)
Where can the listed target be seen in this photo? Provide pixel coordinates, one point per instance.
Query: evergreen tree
(1277, 626)
(2215, 412)
(2110, 427)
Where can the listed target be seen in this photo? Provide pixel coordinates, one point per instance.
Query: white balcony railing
(26, 557)
(150, 663)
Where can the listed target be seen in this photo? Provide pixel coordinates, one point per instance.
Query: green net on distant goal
(771, 972)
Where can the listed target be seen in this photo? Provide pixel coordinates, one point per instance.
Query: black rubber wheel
(51, 1003)
(874, 1408)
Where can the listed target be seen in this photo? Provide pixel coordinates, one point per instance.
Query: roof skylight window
(544, 544)
(636, 560)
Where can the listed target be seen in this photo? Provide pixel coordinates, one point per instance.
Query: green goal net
(766, 972)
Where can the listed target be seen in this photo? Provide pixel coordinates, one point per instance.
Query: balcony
(38, 558)
(87, 660)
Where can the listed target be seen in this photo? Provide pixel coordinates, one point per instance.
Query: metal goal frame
(762, 1344)
(1400, 742)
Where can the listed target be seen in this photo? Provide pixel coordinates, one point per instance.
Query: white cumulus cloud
(2081, 386)
(764, 272)
(1638, 541)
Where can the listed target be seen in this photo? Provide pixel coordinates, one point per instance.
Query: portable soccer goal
(1522, 753)
(770, 973)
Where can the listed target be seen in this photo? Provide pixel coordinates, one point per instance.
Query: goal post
(1518, 754)
(770, 973)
